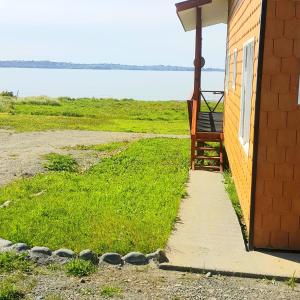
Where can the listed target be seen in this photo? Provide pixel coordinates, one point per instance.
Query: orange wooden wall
(277, 201)
(243, 24)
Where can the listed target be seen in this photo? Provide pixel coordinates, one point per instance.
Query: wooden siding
(243, 25)
(277, 200)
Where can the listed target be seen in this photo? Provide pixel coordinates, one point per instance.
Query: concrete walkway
(208, 236)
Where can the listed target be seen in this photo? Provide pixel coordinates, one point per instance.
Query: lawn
(43, 113)
(128, 201)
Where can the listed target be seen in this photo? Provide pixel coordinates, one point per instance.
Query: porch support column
(198, 57)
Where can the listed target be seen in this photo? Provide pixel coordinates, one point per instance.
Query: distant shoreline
(109, 67)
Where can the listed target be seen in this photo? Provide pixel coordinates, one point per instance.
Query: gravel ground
(20, 153)
(151, 283)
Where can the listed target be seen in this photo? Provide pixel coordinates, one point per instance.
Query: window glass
(246, 93)
(227, 71)
(234, 71)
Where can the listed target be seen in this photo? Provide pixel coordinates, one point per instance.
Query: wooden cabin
(261, 121)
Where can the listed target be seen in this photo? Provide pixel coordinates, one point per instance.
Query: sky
(140, 32)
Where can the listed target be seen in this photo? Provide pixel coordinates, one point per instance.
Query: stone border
(43, 255)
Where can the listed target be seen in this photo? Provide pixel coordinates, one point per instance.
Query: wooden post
(198, 57)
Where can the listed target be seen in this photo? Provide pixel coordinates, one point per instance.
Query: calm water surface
(141, 85)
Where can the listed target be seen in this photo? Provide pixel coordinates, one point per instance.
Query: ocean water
(140, 85)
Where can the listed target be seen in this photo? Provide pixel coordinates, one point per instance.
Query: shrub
(58, 162)
(7, 94)
(80, 268)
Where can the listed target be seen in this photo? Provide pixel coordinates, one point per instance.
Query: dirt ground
(149, 282)
(20, 153)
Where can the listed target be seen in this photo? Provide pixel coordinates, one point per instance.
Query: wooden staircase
(205, 156)
(206, 136)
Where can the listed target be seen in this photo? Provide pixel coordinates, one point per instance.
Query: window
(227, 72)
(246, 93)
(234, 68)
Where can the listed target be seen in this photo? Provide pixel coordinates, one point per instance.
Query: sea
(139, 85)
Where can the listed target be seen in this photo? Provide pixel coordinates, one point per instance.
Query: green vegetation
(110, 291)
(44, 113)
(125, 202)
(10, 262)
(80, 268)
(59, 162)
(7, 94)
(102, 147)
(233, 196)
(9, 291)
(292, 282)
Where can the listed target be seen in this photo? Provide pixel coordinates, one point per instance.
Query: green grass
(110, 291)
(9, 291)
(80, 268)
(44, 113)
(233, 196)
(10, 262)
(127, 201)
(59, 162)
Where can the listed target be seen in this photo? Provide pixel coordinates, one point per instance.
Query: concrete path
(208, 236)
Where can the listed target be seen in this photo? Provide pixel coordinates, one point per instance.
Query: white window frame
(245, 143)
(234, 71)
(227, 72)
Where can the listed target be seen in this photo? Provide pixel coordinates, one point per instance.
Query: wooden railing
(194, 107)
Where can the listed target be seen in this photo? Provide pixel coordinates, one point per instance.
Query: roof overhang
(213, 12)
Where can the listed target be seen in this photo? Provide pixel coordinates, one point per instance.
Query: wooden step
(206, 149)
(208, 168)
(207, 157)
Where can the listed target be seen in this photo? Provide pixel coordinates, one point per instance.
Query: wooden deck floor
(210, 122)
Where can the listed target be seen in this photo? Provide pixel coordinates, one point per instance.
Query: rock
(5, 243)
(41, 250)
(135, 258)
(5, 204)
(89, 255)
(67, 253)
(41, 255)
(159, 256)
(208, 274)
(20, 247)
(112, 258)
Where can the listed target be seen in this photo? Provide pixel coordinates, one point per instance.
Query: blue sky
(91, 31)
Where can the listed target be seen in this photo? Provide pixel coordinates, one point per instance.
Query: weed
(10, 261)
(58, 162)
(9, 291)
(102, 147)
(292, 282)
(53, 296)
(110, 291)
(80, 268)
